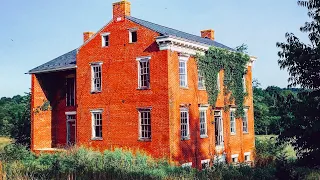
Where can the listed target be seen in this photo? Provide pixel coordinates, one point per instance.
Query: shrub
(16, 152)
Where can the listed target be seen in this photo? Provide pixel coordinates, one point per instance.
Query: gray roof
(66, 61)
(173, 32)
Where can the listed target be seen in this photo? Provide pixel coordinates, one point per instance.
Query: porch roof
(63, 62)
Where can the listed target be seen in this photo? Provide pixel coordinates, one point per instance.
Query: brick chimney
(208, 34)
(87, 35)
(120, 10)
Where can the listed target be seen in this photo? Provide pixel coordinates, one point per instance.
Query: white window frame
(103, 35)
(245, 120)
(203, 110)
(130, 34)
(187, 165)
(218, 82)
(143, 59)
(94, 88)
(141, 136)
(218, 116)
(187, 124)
(205, 161)
(74, 91)
(201, 81)
(236, 156)
(183, 59)
(232, 119)
(93, 124)
(247, 154)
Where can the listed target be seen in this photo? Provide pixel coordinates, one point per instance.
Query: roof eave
(52, 70)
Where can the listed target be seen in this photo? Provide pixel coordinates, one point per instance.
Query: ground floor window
(144, 124)
(247, 157)
(184, 123)
(234, 158)
(187, 165)
(96, 124)
(218, 128)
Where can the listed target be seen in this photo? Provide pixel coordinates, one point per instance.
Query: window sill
(132, 42)
(185, 138)
(144, 140)
(232, 134)
(184, 87)
(105, 46)
(201, 89)
(95, 92)
(143, 88)
(245, 133)
(97, 139)
(203, 136)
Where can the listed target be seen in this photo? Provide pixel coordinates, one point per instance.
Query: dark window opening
(134, 36)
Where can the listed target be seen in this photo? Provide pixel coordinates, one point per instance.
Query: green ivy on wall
(234, 66)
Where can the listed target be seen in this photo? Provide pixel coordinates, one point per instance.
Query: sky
(35, 31)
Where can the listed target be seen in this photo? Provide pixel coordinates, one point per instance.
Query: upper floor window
(143, 72)
(245, 122)
(105, 39)
(203, 122)
(183, 72)
(232, 121)
(70, 91)
(247, 156)
(133, 36)
(200, 80)
(96, 116)
(144, 124)
(96, 78)
(184, 123)
(218, 81)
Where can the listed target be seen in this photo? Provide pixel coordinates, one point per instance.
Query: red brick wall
(197, 149)
(120, 97)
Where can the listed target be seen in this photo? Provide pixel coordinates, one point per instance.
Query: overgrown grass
(4, 141)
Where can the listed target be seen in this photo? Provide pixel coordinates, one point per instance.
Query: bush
(16, 152)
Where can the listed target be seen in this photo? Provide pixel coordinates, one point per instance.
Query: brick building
(135, 84)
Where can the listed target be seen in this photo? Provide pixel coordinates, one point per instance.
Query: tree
(300, 119)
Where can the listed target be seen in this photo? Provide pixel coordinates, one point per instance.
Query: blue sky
(35, 31)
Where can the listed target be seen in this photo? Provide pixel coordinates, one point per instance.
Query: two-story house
(135, 84)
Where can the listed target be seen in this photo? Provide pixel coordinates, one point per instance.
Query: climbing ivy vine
(234, 66)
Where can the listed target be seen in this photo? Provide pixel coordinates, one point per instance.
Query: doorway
(71, 129)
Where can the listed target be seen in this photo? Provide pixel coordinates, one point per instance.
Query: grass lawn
(288, 150)
(4, 141)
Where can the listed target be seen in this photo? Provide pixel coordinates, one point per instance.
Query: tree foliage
(301, 118)
(15, 118)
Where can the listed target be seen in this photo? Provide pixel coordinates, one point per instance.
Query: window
(133, 37)
(96, 77)
(244, 83)
(234, 158)
(96, 124)
(187, 165)
(232, 122)
(218, 81)
(218, 128)
(245, 122)
(143, 72)
(70, 91)
(145, 124)
(205, 163)
(203, 123)
(247, 156)
(201, 85)
(105, 39)
(183, 75)
(184, 119)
